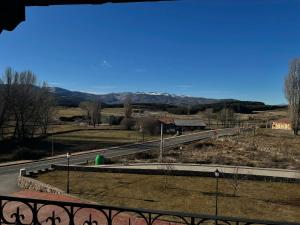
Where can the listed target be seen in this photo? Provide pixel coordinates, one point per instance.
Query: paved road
(8, 174)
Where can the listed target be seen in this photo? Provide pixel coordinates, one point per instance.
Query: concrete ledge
(175, 172)
(35, 185)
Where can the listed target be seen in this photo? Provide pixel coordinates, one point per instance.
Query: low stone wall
(32, 184)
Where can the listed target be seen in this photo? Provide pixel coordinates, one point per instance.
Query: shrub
(150, 125)
(128, 123)
(115, 120)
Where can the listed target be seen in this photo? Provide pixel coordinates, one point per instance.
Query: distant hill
(67, 97)
(161, 101)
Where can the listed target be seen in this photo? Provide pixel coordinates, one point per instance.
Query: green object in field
(99, 160)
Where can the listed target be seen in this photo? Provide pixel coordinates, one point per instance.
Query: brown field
(69, 111)
(254, 199)
(259, 116)
(268, 148)
(77, 111)
(268, 115)
(71, 142)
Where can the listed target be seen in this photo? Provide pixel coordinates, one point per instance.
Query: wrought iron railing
(24, 211)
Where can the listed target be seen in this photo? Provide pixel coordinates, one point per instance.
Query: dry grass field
(268, 148)
(259, 116)
(72, 142)
(94, 139)
(268, 115)
(69, 111)
(77, 111)
(254, 199)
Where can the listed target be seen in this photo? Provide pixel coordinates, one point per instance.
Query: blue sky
(216, 49)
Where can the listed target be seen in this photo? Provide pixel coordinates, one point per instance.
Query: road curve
(11, 171)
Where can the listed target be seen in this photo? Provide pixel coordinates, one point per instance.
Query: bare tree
(93, 111)
(235, 181)
(292, 94)
(46, 109)
(3, 107)
(6, 93)
(188, 109)
(168, 168)
(226, 117)
(209, 115)
(127, 107)
(86, 107)
(96, 111)
(148, 125)
(25, 106)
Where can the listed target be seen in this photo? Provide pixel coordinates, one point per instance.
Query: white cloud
(106, 64)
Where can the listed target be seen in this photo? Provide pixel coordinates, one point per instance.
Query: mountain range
(67, 97)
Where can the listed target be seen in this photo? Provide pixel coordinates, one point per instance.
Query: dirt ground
(266, 148)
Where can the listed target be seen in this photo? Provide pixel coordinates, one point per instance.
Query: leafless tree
(292, 94)
(46, 109)
(96, 111)
(235, 181)
(226, 117)
(127, 107)
(93, 111)
(168, 168)
(128, 123)
(85, 106)
(209, 115)
(148, 125)
(2, 107)
(188, 109)
(26, 105)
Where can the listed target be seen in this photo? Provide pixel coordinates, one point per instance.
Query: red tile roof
(167, 120)
(283, 120)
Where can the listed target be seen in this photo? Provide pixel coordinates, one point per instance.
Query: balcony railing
(24, 211)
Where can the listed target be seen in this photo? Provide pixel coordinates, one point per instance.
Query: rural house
(179, 125)
(283, 124)
(184, 125)
(169, 125)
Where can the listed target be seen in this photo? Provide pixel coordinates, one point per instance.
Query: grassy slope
(273, 201)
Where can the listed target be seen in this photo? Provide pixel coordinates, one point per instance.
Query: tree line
(26, 107)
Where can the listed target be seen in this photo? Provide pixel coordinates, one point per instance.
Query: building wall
(282, 126)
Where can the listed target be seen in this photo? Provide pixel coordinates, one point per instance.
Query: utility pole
(52, 144)
(161, 142)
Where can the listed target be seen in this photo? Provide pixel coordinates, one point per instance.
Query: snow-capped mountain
(75, 97)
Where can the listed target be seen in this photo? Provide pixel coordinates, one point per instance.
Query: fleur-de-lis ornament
(53, 219)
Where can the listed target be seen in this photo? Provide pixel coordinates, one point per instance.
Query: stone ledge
(32, 184)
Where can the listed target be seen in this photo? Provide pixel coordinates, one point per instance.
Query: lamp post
(161, 142)
(68, 177)
(217, 174)
(52, 144)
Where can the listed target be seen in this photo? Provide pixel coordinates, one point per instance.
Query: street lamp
(68, 178)
(52, 144)
(217, 174)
